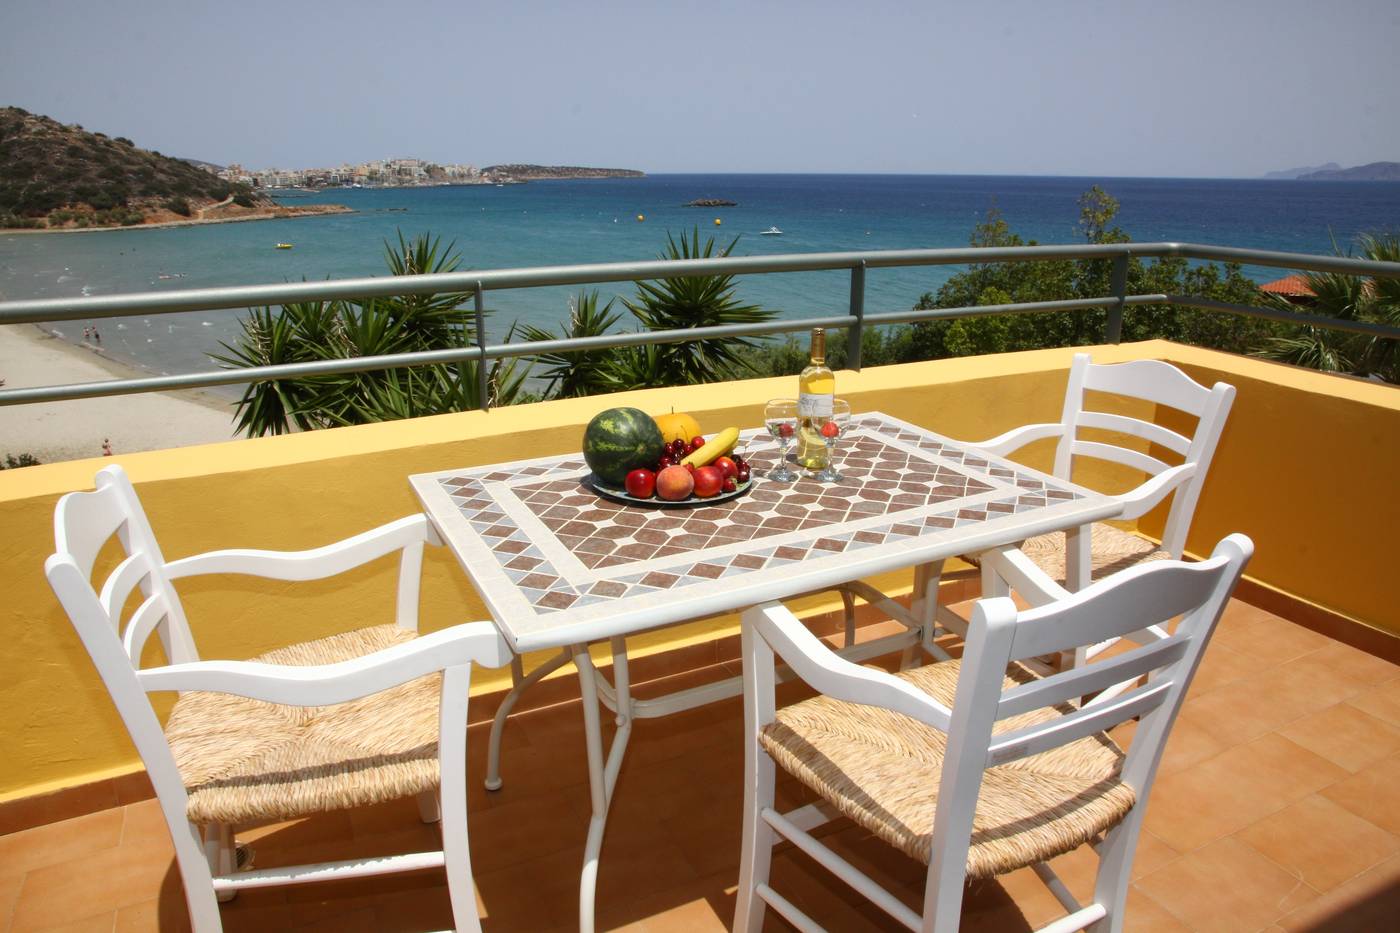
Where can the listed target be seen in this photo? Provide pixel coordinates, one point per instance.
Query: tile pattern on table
(898, 483)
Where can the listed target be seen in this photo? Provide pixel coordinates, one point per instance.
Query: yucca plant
(695, 301)
(573, 374)
(311, 331)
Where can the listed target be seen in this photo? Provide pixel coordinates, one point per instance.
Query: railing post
(857, 329)
(1118, 284)
(483, 381)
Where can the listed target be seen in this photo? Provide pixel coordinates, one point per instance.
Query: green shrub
(179, 206)
(23, 460)
(243, 200)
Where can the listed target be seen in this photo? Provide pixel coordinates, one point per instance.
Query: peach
(674, 484)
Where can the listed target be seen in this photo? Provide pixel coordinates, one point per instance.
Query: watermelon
(619, 440)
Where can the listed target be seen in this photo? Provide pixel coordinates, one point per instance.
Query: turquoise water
(555, 222)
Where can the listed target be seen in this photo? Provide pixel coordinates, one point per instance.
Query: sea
(611, 220)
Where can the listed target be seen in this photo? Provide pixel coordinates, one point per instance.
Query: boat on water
(284, 246)
(771, 231)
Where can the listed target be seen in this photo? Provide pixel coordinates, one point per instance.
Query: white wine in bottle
(816, 388)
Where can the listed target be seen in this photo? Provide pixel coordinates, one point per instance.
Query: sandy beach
(278, 213)
(54, 431)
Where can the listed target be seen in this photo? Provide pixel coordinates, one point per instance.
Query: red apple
(641, 483)
(674, 484)
(730, 485)
(726, 466)
(708, 481)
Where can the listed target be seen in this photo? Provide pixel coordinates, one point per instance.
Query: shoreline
(292, 213)
(71, 430)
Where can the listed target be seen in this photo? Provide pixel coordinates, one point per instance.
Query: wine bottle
(816, 388)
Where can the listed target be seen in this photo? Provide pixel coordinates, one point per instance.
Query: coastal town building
(380, 173)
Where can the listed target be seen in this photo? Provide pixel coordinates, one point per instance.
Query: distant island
(710, 202)
(519, 173)
(1374, 171)
(1291, 173)
(58, 177)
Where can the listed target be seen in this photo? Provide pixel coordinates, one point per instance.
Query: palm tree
(1348, 298)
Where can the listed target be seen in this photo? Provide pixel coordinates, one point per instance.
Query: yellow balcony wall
(1307, 467)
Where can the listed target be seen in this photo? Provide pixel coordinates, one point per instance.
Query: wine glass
(780, 417)
(832, 430)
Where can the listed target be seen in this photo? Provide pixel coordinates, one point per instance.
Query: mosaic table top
(558, 564)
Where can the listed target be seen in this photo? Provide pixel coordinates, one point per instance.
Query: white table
(559, 567)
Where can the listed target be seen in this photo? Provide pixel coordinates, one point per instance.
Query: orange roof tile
(1292, 286)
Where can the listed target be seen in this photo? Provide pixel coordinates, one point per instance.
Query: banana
(721, 444)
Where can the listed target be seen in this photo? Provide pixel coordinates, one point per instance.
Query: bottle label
(813, 405)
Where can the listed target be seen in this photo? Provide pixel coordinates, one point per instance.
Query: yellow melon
(678, 426)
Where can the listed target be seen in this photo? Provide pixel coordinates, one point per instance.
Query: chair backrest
(84, 524)
(1161, 384)
(1135, 605)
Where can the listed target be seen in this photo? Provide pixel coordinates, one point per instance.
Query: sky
(1175, 88)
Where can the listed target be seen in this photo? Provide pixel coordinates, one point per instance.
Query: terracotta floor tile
(1357, 664)
(1189, 744)
(101, 923)
(1144, 915)
(1248, 708)
(1373, 793)
(1320, 842)
(1223, 665)
(61, 893)
(58, 842)
(1266, 637)
(9, 894)
(168, 914)
(1382, 702)
(1225, 886)
(1366, 904)
(694, 916)
(1345, 735)
(1234, 789)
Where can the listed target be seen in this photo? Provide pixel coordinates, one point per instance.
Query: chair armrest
(1023, 575)
(312, 564)
(832, 675)
(326, 684)
(1144, 498)
(1016, 438)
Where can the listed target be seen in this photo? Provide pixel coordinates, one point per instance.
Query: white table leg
(522, 682)
(602, 775)
(1079, 566)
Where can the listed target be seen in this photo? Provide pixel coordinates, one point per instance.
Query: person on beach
(96, 336)
(106, 447)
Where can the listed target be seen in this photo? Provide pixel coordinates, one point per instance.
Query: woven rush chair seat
(881, 769)
(245, 760)
(1113, 550)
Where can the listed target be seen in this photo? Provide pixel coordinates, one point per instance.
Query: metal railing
(480, 282)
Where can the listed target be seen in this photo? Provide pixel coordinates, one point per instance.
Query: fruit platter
(663, 461)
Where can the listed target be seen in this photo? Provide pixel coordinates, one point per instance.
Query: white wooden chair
(364, 716)
(1048, 565)
(976, 766)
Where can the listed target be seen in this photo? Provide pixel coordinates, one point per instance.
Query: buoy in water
(641, 217)
(717, 221)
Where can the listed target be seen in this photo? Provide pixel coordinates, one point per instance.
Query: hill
(52, 175)
(1375, 171)
(534, 172)
(1290, 173)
